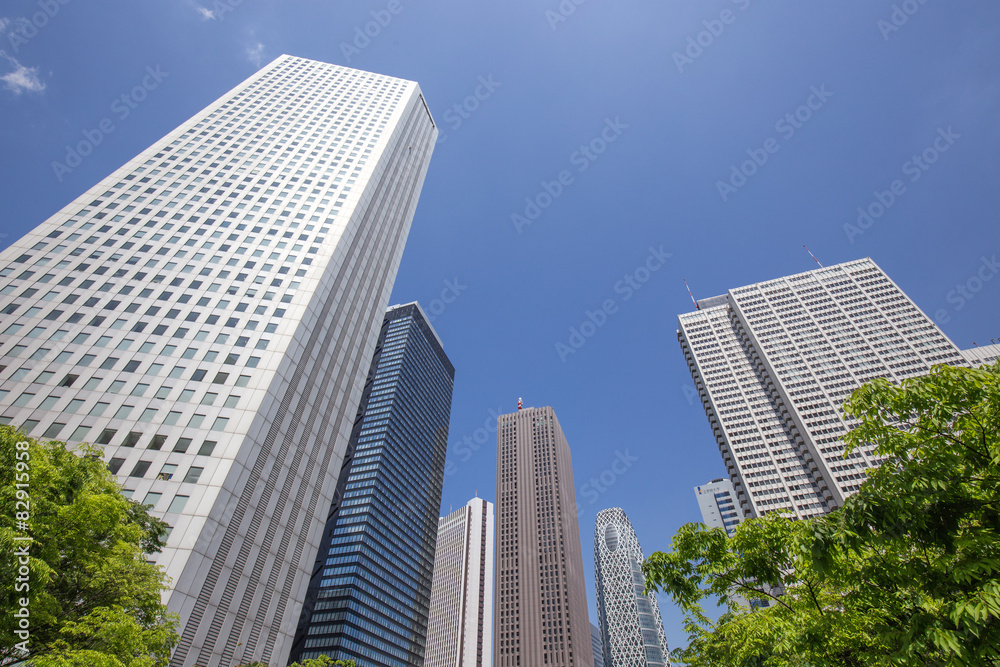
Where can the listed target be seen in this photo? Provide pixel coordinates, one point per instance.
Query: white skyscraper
(774, 362)
(460, 624)
(631, 628)
(719, 509)
(208, 313)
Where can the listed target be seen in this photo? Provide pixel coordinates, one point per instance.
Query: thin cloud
(22, 79)
(255, 54)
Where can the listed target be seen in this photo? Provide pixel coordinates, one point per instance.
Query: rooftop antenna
(519, 404)
(812, 255)
(693, 300)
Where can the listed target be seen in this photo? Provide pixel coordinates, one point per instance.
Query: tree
(906, 573)
(91, 598)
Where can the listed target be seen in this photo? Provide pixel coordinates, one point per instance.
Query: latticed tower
(631, 628)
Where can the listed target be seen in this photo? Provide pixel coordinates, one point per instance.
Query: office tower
(631, 628)
(207, 313)
(460, 625)
(595, 646)
(717, 501)
(984, 355)
(370, 592)
(541, 600)
(774, 362)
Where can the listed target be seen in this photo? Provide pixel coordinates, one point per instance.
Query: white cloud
(22, 79)
(255, 54)
(206, 13)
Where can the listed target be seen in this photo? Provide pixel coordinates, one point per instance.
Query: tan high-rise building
(541, 597)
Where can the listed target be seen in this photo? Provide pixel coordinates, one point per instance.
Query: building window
(167, 471)
(140, 469)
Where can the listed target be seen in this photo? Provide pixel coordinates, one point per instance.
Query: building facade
(631, 628)
(984, 355)
(595, 645)
(460, 625)
(774, 362)
(369, 596)
(717, 502)
(541, 599)
(207, 314)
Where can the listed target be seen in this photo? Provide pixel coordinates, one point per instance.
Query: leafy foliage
(906, 573)
(93, 599)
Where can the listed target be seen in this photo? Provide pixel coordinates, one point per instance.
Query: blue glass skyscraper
(369, 595)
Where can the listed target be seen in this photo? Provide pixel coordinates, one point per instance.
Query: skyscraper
(719, 509)
(983, 355)
(774, 362)
(207, 313)
(596, 646)
(541, 600)
(717, 501)
(631, 627)
(370, 592)
(460, 625)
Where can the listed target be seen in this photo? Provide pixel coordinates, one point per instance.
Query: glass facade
(717, 501)
(369, 597)
(595, 645)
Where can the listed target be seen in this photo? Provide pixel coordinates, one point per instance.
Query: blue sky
(666, 98)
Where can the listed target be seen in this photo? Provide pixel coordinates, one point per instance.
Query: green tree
(906, 573)
(93, 600)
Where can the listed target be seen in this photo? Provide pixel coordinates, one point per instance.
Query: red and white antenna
(693, 300)
(812, 255)
(519, 404)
